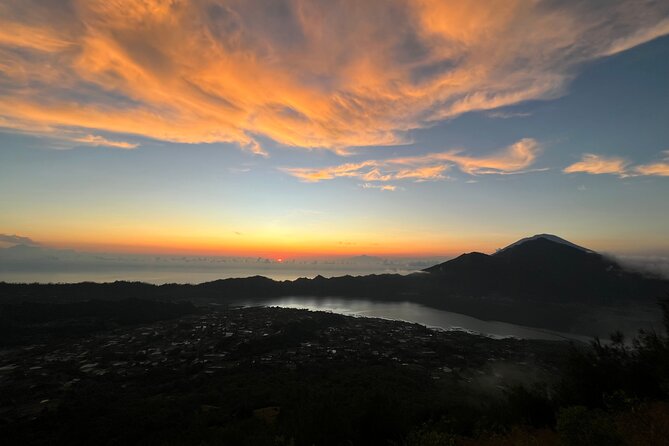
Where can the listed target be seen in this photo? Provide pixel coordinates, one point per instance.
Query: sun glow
(335, 128)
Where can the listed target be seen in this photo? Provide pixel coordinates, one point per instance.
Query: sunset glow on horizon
(299, 129)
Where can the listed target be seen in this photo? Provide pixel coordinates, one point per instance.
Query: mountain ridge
(538, 283)
(549, 237)
(540, 270)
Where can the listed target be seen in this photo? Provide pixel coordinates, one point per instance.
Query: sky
(299, 128)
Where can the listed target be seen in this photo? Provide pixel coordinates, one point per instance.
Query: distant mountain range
(543, 268)
(540, 281)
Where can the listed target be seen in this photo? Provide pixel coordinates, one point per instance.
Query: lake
(416, 313)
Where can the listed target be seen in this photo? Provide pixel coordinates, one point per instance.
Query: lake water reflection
(413, 312)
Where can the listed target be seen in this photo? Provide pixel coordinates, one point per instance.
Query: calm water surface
(413, 312)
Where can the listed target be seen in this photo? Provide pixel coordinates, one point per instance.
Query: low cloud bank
(653, 265)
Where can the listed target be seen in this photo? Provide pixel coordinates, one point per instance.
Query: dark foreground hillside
(270, 376)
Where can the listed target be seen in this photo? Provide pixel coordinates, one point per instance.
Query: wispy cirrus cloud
(370, 171)
(328, 74)
(642, 35)
(382, 187)
(600, 164)
(96, 140)
(363, 170)
(501, 114)
(514, 159)
(67, 138)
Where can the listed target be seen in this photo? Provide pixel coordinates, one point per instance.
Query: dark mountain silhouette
(542, 268)
(549, 237)
(545, 267)
(540, 281)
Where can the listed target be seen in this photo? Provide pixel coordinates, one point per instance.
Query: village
(34, 379)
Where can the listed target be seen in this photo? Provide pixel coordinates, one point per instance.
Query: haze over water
(160, 276)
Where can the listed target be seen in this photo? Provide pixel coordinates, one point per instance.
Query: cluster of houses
(34, 378)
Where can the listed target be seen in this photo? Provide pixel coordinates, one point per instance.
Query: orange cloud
(513, 159)
(328, 173)
(422, 173)
(516, 158)
(599, 164)
(370, 171)
(655, 169)
(333, 75)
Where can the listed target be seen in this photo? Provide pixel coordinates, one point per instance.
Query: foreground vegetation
(613, 393)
